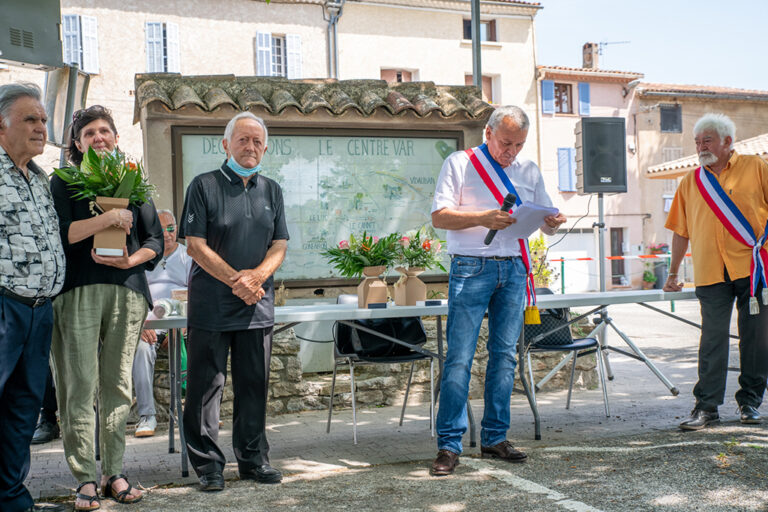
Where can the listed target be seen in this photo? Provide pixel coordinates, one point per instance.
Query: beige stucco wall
(750, 117)
(429, 43)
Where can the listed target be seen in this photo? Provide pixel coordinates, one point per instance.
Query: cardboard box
(110, 241)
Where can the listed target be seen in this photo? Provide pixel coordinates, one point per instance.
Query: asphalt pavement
(635, 460)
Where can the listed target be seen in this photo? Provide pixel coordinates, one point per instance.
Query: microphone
(509, 202)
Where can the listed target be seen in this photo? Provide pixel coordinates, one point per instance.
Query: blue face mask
(240, 170)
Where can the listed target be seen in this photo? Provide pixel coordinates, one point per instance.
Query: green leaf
(126, 185)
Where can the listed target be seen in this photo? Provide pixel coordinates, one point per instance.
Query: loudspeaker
(601, 157)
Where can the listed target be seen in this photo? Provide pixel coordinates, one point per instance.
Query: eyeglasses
(93, 109)
(169, 228)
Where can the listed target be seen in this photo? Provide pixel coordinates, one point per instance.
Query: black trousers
(207, 353)
(25, 345)
(48, 411)
(716, 306)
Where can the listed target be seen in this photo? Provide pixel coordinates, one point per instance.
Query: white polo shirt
(171, 273)
(460, 187)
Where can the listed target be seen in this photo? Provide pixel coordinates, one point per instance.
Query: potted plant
(649, 279)
(416, 252)
(110, 180)
(369, 256)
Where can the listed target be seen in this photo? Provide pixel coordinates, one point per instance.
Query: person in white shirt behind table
(494, 277)
(170, 274)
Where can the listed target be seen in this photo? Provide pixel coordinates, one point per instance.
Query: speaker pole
(603, 319)
(600, 225)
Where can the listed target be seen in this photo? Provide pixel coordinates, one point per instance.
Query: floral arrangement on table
(108, 174)
(350, 257)
(416, 249)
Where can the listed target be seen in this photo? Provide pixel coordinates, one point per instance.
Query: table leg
(179, 412)
(172, 384)
(526, 387)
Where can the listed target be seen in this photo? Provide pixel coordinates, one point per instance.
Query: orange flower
(426, 245)
(131, 166)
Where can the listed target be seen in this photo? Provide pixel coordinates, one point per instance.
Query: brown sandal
(87, 497)
(122, 496)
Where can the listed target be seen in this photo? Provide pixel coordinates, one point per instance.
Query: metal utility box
(30, 33)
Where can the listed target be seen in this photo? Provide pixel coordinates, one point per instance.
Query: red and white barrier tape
(630, 257)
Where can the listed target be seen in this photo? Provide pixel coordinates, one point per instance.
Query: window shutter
(172, 47)
(264, 54)
(71, 32)
(154, 37)
(547, 97)
(566, 165)
(293, 55)
(584, 98)
(90, 40)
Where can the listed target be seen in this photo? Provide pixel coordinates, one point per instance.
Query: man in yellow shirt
(722, 209)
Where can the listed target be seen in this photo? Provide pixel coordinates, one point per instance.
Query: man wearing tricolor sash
(722, 208)
(494, 277)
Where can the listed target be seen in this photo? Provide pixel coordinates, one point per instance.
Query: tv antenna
(603, 44)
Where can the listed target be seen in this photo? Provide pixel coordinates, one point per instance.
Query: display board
(334, 185)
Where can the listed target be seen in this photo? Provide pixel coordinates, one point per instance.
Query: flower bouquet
(416, 253)
(110, 180)
(369, 256)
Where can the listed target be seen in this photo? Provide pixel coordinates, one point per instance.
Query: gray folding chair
(348, 351)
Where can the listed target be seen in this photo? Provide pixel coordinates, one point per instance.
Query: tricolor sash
(736, 224)
(493, 176)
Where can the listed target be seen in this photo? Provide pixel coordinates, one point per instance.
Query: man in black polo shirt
(234, 224)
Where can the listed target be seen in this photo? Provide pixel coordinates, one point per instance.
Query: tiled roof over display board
(366, 97)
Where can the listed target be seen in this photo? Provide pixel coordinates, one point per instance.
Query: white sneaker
(146, 426)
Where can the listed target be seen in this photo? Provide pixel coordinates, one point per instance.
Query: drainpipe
(477, 69)
(331, 13)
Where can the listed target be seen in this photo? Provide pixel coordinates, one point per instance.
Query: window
(81, 42)
(487, 30)
(563, 99)
(278, 55)
(162, 47)
(566, 169)
(487, 86)
(584, 98)
(396, 75)
(671, 153)
(671, 118)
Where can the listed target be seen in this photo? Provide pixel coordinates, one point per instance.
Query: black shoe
(212, 482)
(504, 451)
(699, 419)
(445, 463)
(264, 474)
(46, 507)
(46, 431)
(749, 415)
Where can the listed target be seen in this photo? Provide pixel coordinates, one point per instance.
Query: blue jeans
(477, 285)
(25, 341)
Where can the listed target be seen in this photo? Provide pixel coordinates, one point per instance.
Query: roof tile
(275, 94)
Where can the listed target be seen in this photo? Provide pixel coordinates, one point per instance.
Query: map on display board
(334, 185)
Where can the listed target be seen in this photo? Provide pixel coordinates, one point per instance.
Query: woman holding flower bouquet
(99, 314)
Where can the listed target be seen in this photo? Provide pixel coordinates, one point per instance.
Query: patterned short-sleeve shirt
(31, 255)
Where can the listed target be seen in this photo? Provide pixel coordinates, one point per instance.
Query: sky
(702, 42)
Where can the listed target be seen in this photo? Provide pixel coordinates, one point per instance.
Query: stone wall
(292, 391)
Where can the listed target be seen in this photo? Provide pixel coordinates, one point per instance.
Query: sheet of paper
(530, 217)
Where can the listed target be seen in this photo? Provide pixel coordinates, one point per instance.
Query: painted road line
(559, 499)
(629, 449)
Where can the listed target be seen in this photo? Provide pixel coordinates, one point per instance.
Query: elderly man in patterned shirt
(31, 272)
